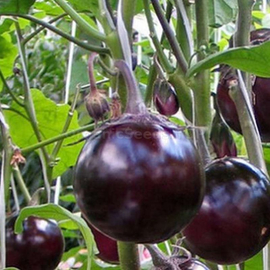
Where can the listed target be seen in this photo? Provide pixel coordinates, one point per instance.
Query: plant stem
(243, 102)
(3, 213)
(183, 93)
(171, 38)
(84, 25)
(161, 55)
(41, 28)
(135, 102)
(252, 140)
(128, 10)
(128, 254)
(150, 82)
(57, 138)
(9, 90)
(21, 183)
(8, 152)
(28, 102)
(242, 37)
(202, 80)
(81, 44)
(183, 30)
(91, 71)
(105, 17)
(59, 143)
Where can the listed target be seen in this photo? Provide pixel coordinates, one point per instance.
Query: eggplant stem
(91, 60)
(135, 104)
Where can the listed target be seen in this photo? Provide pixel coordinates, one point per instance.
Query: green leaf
(68, 198)
(86, 5)
(15, 6)
(58, 213)
(255, 262)
(8, 54)
(221, 12)
(50, 8)
(252, 59)
(51, 119)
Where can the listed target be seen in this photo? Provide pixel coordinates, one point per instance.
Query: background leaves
(51, 119)
(15, 6)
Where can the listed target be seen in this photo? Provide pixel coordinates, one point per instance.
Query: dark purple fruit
(165, 98)
(260, 95)
(39, 247)
(107, 247)
(221, 137)
(139, 179)
(233, 223)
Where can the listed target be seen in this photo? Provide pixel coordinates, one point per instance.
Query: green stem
(106, 19)
(57, 138)
(170, 36)
(135, 102)
(128, 255)
(9, 90)
(202, 80)
(183, 93)
(252, 140)
(21, 184)
(251, 137)
(8, 152)
(41, 28)
(183, 29)
(150, 82)
(128, 11)
(76, 41)
(28, 102)
(161, 55)
(59, 143)
(242, 37)
(83, 24)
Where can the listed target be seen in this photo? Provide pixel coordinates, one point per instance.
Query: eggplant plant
(109, 134)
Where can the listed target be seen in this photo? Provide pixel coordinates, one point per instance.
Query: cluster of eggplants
(260, 94)
(221, 137)
(39, 247)
(138, 178)
(165, 98)
(233, 223)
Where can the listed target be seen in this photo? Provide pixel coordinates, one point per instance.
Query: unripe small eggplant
(96, 102)
(165, 98)
(221, 137)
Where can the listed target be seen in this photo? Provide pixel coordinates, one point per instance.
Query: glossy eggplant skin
(165, 98)
(233, 223)
(107, 247)
(261, 101)
(260, 95)
(138, 180)
(39, 247)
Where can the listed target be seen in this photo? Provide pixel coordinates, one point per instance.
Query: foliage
(43, 86)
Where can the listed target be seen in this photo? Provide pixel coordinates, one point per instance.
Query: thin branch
(41, 28)
(161, 55)
(83, 24)
(9, 90)
(52, 28)
(57, 138)
(171, 37)
(28, 102)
